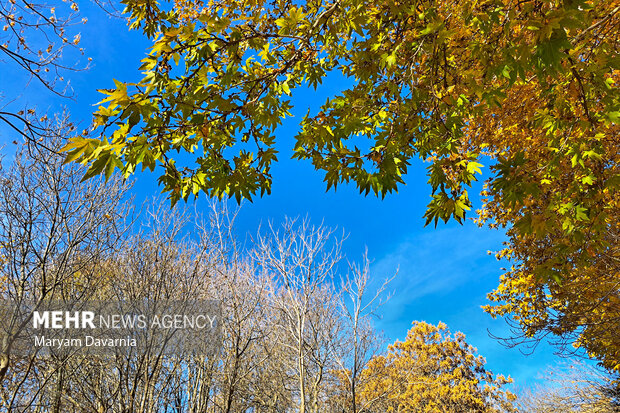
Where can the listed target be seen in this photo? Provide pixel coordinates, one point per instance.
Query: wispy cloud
(439, 261)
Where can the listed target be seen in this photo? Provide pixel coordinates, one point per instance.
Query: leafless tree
(359, 306)
(575, 387)
(39, 45)
(303, 259)
(34, 37)
(290, 342)
(55, 231)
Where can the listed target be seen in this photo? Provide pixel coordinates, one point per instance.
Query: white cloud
(439, 261)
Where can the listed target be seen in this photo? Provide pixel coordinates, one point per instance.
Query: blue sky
(444, 274)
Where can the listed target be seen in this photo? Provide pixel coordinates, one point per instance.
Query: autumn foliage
(531, 87)
(555, 139)
(434, 371)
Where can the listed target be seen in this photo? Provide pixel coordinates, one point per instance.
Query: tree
(433, 371)
(35, 39)
(358, 308)
(577, 387)
(56, 234)
(529, 85)
(303, 260)
(556, 183)
(410, 98)
(285, 331)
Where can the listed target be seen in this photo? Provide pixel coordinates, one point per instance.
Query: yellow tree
(433, 371)
(555, 139)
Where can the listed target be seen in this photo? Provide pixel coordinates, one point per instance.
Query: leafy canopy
(530, 85)
(219, 77)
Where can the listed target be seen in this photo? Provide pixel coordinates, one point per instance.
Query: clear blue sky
(444, 273)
